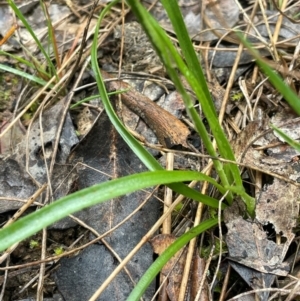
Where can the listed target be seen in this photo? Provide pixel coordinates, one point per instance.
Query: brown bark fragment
(169, 130)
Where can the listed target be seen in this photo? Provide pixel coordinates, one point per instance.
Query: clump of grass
(230, 179)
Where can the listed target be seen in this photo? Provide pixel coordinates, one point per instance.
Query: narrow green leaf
(44, 217)
(23, 74)
(274, 78)
(174, 13)
(154, 269)
(28, 27)
(229, 173)
(22, 61)
(249, 201)
(293, 143)
(94, 97)
(135, 146)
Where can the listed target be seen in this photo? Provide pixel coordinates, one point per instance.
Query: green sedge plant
(27, 226)
(44, 217)
(44, 70)
(199, 86)
(228, 173)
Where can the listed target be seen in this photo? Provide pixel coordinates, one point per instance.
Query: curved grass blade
(293, 143)
(23, 74)
(37, 41)
(200, 87)
(44, 217)
(155, 268)
(23, 61)
(135, 146)
(229, 173)
(288, 94)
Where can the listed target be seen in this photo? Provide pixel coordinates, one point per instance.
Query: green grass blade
(169, 56)
(23, 74)
(186, 46)
(51, 34)
(135, 146)
(292, 99)
(23, 61)
(200, 86)
(44, 217)
(293, 143)
(155, 268)
(95, 97)
(249, 201)
(37, 41)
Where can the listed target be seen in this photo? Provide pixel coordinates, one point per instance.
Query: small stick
(9, 34)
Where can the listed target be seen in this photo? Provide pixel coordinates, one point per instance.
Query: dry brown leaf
(174, 267)
(278, 205)
(249, 245)
(198, 267)
(161, 242)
